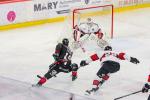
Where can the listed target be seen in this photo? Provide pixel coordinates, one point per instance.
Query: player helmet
(65, 41)
(108, 48)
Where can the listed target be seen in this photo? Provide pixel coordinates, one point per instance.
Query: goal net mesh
(101, 15)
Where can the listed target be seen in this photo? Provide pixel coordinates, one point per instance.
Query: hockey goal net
(102, 15)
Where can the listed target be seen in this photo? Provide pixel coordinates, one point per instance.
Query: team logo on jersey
(87, 1)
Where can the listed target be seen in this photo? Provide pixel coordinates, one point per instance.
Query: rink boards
(11, 89)
(39, 12)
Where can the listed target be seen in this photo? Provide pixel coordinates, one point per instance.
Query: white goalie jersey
(88, 28)
(89, 31)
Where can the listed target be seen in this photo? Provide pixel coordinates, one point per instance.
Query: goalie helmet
(65, 41)
(89, 20)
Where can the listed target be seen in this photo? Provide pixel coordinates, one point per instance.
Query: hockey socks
(41, 81)
(74, 75)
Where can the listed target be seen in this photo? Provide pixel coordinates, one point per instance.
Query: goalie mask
(65, 41)
(89, 20)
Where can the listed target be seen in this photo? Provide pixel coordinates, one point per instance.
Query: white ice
(26, 52)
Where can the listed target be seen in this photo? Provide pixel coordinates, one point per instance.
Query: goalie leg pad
(81, 41)
(75, 45)
(102, 43)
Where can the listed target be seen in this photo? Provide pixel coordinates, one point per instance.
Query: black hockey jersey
(63, 51)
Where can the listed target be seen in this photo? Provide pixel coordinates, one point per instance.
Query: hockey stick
(128, 95)
(39, 76)
(52, 65)
(78, 22)
(83, 49)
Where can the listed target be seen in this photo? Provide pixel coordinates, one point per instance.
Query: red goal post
(102, 12)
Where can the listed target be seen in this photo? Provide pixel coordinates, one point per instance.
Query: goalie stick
(78, 17)
(83, 49)
(128, 95)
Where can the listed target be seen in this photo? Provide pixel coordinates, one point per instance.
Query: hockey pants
(108, 67)
(57, 68)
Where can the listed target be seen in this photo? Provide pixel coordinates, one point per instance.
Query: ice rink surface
(26, 52)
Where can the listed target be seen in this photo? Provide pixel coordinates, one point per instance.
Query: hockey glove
(56, 57)
(83, 63)
(146, 88)
(74, 67)
(134, 60)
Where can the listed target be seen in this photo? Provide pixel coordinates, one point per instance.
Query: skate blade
(35, 85)
(87, 92)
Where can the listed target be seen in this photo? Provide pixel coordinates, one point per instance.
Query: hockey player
(89, 31)
(146, 87)
(62, 63)
(87, 28)
(109, 64)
